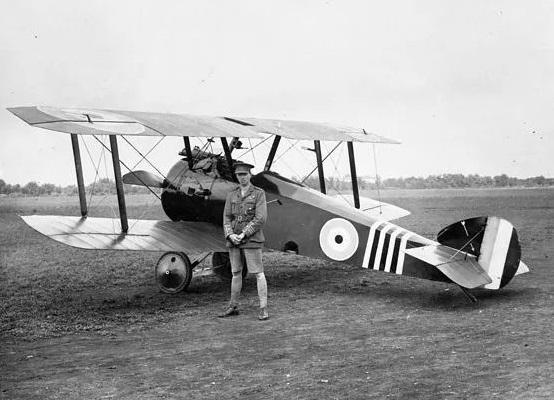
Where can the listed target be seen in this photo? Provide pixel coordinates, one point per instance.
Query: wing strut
(188, 151)
(317, 148)
(79, 172)
(119, 184)
(228, 156)
(235, 144)
(353, 174)
(272, 152)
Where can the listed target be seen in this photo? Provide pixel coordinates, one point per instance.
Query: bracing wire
(253, 155)
(339, 156)
(377, 183)
(96, 169)
(144, 209)
(323, 159)
(294, 172)
(97, 173)
(107, 176)
(286, 150)
(148, 152)
(252, 148)
(291, 170)
(144, 157)
(97, 165)
(202, 149)
(125, 165)
(465, 244)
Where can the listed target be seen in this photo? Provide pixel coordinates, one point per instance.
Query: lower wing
(377, 209)
(146, 235)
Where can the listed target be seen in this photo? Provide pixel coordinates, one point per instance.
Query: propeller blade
(143, 178)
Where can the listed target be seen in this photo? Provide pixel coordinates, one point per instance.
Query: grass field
(88, 324)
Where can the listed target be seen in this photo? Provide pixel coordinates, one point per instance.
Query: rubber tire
(161, 277)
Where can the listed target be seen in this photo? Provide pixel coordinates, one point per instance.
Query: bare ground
(86, 324)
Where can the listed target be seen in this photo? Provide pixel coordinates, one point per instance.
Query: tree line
(444, 181)
(101, 187)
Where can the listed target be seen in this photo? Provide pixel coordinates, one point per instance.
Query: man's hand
(234, 238)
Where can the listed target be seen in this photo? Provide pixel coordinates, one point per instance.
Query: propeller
(144, 178)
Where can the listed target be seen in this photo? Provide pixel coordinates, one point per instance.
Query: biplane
(479, 252)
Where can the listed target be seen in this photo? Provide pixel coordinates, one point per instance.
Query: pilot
(243, 219)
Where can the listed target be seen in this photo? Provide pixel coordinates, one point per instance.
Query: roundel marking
(99, 120)
(338, 239)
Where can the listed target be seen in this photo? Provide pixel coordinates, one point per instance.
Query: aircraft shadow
(405, 292)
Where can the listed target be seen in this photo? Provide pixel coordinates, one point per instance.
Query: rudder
(493, 240)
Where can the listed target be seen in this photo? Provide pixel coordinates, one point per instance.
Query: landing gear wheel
(221, 265)
(173, 272)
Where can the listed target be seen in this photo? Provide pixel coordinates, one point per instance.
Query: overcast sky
(467, 86)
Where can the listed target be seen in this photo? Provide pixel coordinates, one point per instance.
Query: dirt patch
(87, 324)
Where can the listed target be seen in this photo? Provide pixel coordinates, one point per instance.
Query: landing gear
(221, 265)
(173, 272)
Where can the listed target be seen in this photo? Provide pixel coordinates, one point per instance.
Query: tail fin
(493, 241)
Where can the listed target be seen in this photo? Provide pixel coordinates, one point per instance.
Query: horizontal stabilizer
(376, 209)
(522, 268)
(146, 235)
(143, 178)
(461, 268)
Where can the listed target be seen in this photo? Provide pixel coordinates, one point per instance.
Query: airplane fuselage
(297, 218)
(307, 222)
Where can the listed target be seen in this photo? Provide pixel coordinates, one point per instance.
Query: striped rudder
(493, 240)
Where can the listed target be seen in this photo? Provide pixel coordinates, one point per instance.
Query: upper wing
(133, 123)
(146, 235)
(303, 130)
(111, 122)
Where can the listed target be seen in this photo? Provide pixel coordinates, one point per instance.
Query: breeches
(253, 258)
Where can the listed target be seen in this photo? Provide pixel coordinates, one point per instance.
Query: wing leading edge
(304, 130)
(83, 121)
(145, 235)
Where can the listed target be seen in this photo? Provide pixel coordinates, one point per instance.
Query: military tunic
(245, 214)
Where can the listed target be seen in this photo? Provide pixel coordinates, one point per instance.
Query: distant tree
(363, 184)
(2, 186)
(69, 190)
(102, 186)
(500, 180)
(48, 188)
(487, 181)
(31, 188)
